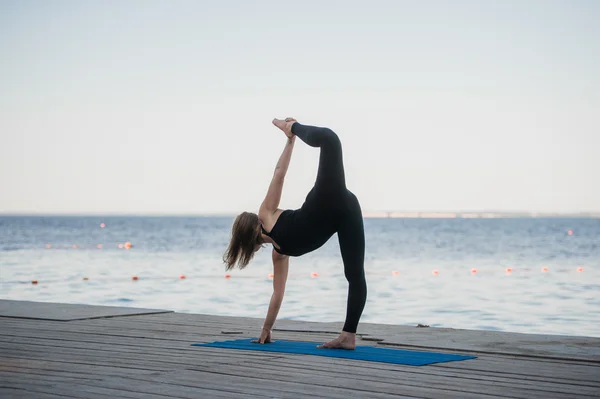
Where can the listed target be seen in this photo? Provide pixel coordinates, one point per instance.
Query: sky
(165, 107)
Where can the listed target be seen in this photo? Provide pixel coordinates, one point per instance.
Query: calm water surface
(401, 257)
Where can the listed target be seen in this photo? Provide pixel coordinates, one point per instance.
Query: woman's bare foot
(346, 340)
(285, 125)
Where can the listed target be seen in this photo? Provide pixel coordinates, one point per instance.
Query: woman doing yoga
(328, 208)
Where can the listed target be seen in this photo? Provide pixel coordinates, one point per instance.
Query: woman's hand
(265, 337)
(289, 133)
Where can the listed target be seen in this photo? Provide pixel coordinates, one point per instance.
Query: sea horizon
(395, 214)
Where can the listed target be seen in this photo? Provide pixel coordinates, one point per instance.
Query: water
(561, 300)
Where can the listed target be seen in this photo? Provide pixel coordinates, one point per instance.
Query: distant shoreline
(478, 215)
(366, 214)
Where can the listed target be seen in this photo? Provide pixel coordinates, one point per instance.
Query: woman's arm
(271, 202)
(280, 272)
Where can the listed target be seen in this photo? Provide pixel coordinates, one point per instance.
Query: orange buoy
(34, 282)
(508, 269)
(544, 269)
(182, 277)
(314, 274)
(48, 246)
(74, 246)
(102, 225)
(435, 272)
(128, 245)
(473, 271)
(135, 278)
(99, 246)
(395, 273)
(227, 275)
(580, 269)
(271, 275)
(570, 232)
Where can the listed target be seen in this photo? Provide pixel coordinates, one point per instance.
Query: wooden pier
(50, 350)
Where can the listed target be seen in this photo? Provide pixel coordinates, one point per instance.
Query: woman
(329, 208)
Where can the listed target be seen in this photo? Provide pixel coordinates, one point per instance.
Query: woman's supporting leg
(351, 236)
(330, 175)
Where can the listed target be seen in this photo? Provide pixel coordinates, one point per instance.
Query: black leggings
(330, 193)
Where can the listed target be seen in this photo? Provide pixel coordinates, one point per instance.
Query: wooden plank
(514, 369)
(251, 385)
(35, 345)
(409, 377)
(161, 319)
(87, 381)
(44, 378)
(388, 384)
(527, 366)
(105, 353)
(198, 320)
(53, 367)
(204, 329)
(114, 388)
(131, 322)
(172, 341)
(134, 330)
(169, 338)
(120, 350)
(65, 311)
(108, 346)
(156, 363)
(319, 386)
(580, 372)
(122, 335)
(28, 393)
(112, 332)
(194, 385)
(425, 373)
(109, 390)
(34, 387)
(87, 359)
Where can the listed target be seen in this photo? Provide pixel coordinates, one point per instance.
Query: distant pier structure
(475, 215)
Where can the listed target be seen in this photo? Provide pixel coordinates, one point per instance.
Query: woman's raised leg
(330, 175)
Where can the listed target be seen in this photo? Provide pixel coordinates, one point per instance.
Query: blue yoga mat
(368, 353)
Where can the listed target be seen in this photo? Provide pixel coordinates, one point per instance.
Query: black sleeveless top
(269, 234)
(300, 231)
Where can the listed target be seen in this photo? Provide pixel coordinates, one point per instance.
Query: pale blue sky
(165, 106)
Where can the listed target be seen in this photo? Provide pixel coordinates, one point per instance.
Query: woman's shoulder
(269, 219)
